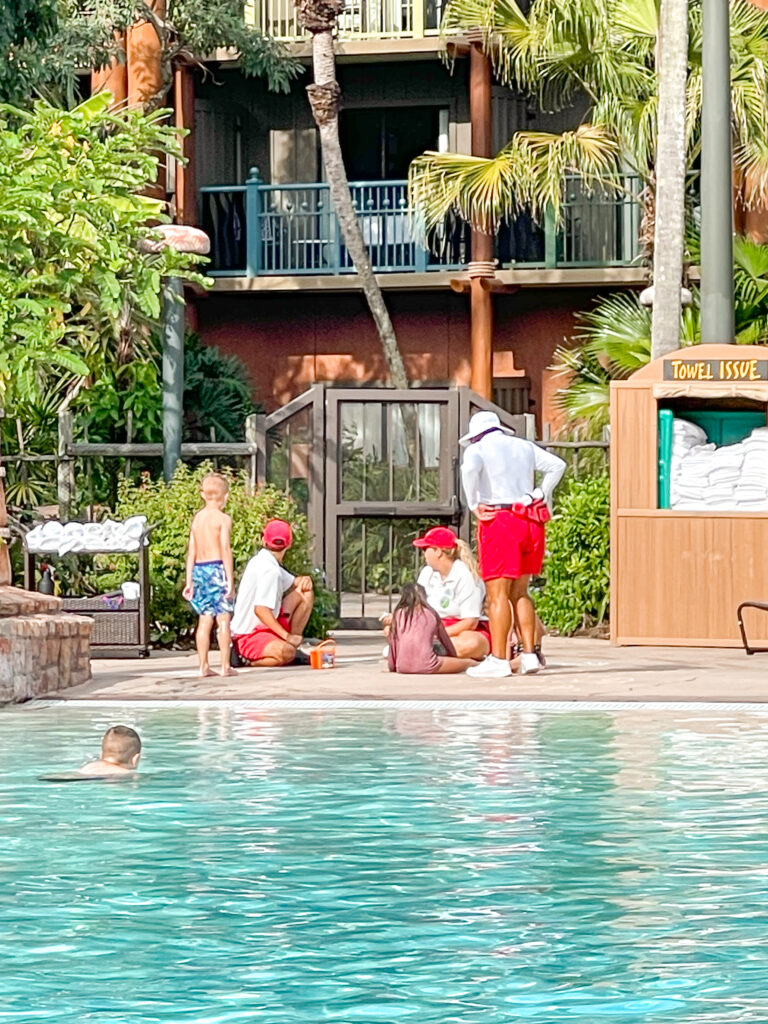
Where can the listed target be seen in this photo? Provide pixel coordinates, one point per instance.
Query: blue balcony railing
(258, 229)
(297, 232)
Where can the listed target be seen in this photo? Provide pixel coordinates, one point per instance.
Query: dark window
(380, 143)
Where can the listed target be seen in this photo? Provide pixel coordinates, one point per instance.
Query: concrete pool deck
(577, 670)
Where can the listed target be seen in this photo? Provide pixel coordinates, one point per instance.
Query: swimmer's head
(215, 489)
(121, 745)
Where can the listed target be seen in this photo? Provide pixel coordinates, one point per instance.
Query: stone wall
(42, 649)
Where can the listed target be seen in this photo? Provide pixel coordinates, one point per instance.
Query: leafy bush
(172, 508)
(575, 579)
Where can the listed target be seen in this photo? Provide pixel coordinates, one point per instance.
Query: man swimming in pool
(120, 753)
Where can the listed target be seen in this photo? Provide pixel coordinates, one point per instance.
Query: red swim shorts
(481, 627)
(251, 645)
(509, 547)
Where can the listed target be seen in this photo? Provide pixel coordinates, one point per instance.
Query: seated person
(455, 591)
(414, 629)
(272, 606)
(120, 753)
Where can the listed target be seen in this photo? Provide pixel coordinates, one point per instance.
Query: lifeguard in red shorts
(498, 474)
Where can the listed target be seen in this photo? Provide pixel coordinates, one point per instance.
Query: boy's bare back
(210, 533)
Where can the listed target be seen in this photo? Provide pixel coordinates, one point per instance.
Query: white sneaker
(490, 668)
(529, 664)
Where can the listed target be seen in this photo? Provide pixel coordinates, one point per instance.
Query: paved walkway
(577, 669)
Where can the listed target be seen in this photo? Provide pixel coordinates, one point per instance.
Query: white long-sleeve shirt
(499, 470)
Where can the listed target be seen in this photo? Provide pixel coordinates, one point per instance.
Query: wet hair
(413, 597)
(120, 744)
(463, 552)
(214, 485)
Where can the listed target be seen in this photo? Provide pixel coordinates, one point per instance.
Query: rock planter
(42, 649)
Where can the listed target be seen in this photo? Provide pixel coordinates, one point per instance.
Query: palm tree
(319, 17)
(672, 65)
(603, 52)
(614, 338)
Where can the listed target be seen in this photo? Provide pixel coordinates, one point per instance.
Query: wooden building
(678, 576)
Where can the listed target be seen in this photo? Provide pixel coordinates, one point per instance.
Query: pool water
(451, 866)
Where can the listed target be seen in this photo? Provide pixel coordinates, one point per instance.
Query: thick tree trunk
(669, 228)
(324, 99)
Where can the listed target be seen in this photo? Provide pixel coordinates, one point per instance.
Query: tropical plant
(602, 52)
(74, 284)
(171, 507)
(573, 591)
(47, 42)
(218, 393)
(614, 338)
(319, 18)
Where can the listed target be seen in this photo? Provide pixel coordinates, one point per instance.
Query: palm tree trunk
(319, 18)
(669, 231)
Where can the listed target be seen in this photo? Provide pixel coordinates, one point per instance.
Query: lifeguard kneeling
(498, 475)
(272, 606)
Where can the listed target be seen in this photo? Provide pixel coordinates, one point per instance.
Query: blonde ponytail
(463, 552)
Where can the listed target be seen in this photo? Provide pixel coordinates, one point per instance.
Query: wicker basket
(112, 627)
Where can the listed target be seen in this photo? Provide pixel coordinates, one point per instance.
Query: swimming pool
(452, 866)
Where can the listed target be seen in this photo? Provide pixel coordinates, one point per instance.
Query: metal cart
(120, 626)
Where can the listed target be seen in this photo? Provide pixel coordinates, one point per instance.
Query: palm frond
(527, 174)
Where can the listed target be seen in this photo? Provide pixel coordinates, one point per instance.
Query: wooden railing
(259, 229)
(360, 19)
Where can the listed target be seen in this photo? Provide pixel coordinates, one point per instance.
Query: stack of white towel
(53, 537)
(730, 478)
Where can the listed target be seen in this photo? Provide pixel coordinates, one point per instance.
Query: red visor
(437, 537)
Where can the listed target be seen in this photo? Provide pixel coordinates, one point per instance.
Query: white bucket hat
(480, 424)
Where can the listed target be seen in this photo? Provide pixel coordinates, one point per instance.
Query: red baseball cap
(277, 534)
(437, 537)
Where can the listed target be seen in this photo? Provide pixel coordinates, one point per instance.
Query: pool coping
(303, 704)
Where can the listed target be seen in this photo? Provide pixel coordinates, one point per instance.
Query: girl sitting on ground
(415, 628)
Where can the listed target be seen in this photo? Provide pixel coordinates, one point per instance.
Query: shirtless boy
(120, 753)
(210, 572)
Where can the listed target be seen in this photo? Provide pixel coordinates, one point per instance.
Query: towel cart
(120, 626)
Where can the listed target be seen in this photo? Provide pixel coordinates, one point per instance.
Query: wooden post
(65, 467)
(113, 77)
(482, 245)
(184, 112)
(145, 74)
(252, 437)
(173, 374)
(5, 560)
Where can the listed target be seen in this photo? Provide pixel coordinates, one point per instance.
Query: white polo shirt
(457, 596)
(264, 582)
(499, 470)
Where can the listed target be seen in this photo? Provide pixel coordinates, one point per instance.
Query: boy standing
(273, 606)
(210, 572)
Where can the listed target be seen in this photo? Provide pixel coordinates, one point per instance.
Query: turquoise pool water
(365, 866)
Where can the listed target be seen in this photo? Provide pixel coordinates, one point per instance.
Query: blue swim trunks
(209, 589)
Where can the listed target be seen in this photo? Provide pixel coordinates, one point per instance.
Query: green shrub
(172, 508)
(574, 589)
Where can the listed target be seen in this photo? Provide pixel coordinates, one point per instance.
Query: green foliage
(574, 590)
(172, 508)
(218, 394)
(600, 56)
(614, 338)
(73, 284)
(45, 49)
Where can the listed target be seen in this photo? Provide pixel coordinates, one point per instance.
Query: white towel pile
(731, 478)
(53, 537)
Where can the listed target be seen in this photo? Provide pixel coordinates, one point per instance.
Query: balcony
(260, 230)
(364, 19)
